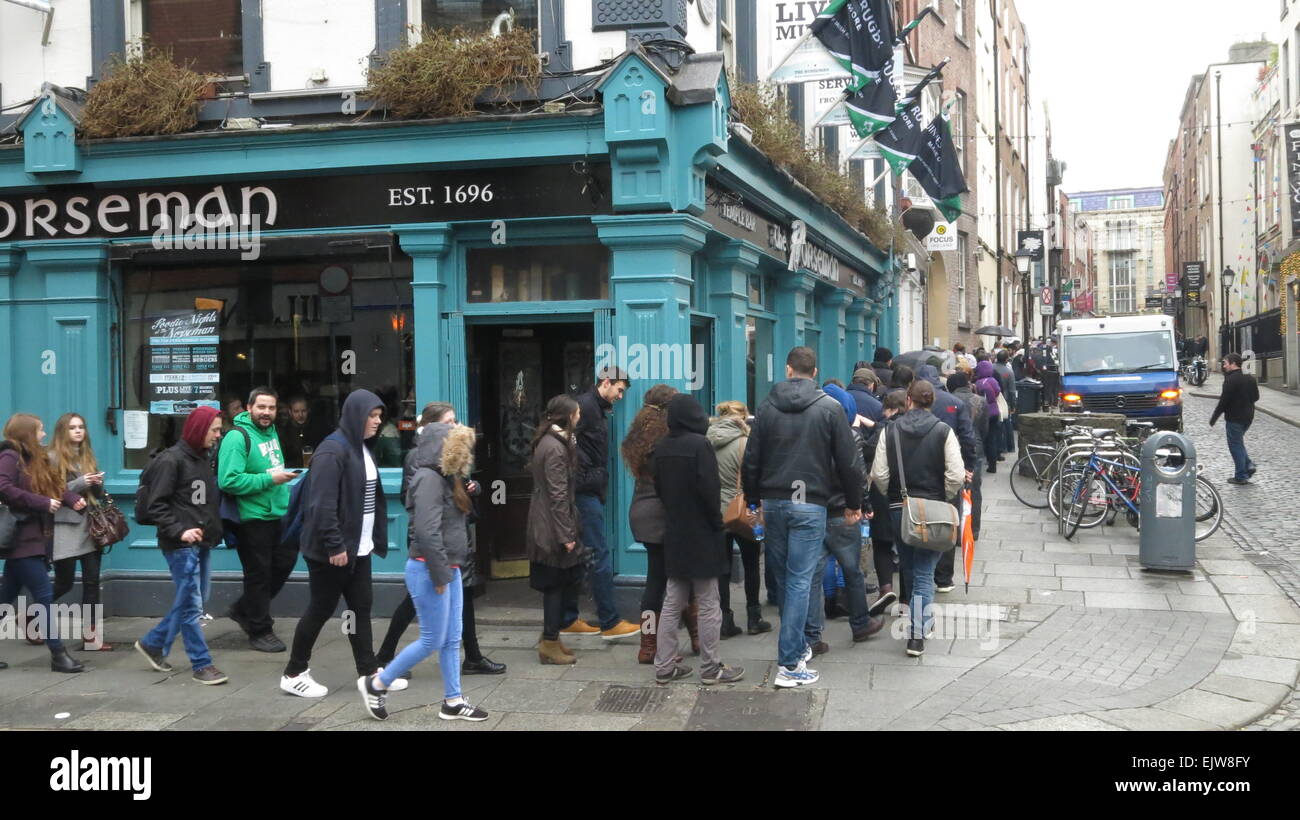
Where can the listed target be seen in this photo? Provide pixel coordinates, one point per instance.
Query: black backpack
(144, 490)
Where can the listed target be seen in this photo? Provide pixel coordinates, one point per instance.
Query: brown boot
(647, 652)
(691, 617)
(552, 652)
(566, 650)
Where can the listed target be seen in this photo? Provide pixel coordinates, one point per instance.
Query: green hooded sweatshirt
(247, 476)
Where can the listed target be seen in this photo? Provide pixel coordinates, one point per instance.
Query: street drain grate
(631, 700)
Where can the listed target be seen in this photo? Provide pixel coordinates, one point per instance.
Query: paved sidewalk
(1283, 405)
(1084, 639)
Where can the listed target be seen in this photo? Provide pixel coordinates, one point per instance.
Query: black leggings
(327, 584)
(555, 600)
(656, 579)
(405, 613)
(749, 553)
(65, 574)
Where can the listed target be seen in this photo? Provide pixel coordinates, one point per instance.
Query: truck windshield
(1117, 352)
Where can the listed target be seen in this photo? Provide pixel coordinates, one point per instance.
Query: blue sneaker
(801, 675)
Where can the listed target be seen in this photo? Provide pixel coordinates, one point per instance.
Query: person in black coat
(344, 520)
(686, 480)
(1237, 406)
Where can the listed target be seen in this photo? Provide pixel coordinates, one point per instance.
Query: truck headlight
(1071, 400)
(1170, 398)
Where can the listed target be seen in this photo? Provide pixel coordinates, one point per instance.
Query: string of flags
(861, 36)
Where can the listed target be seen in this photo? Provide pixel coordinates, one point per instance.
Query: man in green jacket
(250, 471)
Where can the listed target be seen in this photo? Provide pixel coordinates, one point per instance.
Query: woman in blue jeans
(33, 490)
(438, 546)
(932, 468)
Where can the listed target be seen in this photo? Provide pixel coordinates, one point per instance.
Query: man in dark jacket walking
(881, 363)
(344, 520)
(183, 503)
(591, 486)
(695, 555)
(1237, 406)
(800, 449)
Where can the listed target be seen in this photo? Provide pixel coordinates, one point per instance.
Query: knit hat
(196, 426)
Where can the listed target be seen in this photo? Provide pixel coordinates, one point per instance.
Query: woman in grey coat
(728, 434)
(74, 459)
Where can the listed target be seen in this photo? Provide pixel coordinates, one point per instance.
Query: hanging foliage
(781, 140)
(145, 95)
(447, 71)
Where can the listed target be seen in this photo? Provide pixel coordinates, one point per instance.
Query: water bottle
(758, 523)
(865, 528)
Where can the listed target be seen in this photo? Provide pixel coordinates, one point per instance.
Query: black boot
(729, 628)
(61, 661)
(756, 623)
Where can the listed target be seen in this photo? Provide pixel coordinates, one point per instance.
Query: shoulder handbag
(105, 522)
(9, 521)
(1004, 412)
(927, 524)
(736, 518)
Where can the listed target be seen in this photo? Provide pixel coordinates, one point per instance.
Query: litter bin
(1167, 503)
(1029, 396)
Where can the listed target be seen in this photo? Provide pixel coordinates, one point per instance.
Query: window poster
(183, 362)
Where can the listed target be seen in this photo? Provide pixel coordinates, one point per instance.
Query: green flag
(859, 34)
(937, 170)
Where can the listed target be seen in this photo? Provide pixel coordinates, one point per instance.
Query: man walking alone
(1237, 406)
(800, 449)
(250, 467)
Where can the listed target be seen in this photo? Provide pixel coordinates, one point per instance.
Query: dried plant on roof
(447, 71)
(760, 108)
(144, 95)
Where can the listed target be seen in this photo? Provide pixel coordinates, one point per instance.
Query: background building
(1127, 225)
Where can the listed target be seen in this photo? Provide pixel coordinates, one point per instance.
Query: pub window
(769, 294)
(477, 15)
(312, 329)
(756, 290)
(542, 273)
(206, 34)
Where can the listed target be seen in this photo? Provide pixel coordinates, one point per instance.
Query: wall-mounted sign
(780, 25)
(76, 212)
(183, 362)
(1291, 136)
(942, 237)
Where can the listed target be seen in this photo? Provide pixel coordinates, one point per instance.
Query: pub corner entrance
(514, 370)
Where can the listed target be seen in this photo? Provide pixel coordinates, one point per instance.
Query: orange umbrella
(967, 533)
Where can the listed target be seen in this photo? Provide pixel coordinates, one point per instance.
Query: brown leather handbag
(735, 519)
(105, 522)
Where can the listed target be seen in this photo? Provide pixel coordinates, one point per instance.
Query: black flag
(936, 168)
(859, 34)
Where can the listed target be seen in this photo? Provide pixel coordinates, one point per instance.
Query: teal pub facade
(489, 262)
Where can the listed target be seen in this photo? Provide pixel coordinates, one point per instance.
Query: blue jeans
(918, 565)
(205, 590)
(33, 574)
(1237, 447)
(844, 544)
(795, 533)
(600, 566)
(440, 625)
(186, 569)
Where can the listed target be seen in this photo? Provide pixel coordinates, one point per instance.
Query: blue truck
(1121, 364)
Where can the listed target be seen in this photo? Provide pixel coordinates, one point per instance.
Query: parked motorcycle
(1196, 371)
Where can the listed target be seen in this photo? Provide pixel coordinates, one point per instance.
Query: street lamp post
(1226, 285)
(1024, 257)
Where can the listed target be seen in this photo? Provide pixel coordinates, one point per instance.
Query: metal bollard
(1167, 503)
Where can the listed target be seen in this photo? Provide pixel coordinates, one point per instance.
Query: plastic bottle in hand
(758, 524)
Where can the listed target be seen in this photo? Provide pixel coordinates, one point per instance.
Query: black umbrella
(994, 330)
(917, 358)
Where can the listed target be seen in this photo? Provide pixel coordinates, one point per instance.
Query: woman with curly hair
(646, 515)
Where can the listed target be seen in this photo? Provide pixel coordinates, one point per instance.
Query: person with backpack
(33, 491)
(988, 386)
(250, 471)
(1007, 384)
(959, 386)
(925, 452)
(475, 663)
(438, 546)
(178, 495)
(74, 459)
(344, 520)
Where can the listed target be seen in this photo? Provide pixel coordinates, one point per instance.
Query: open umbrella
(916, 358)
(994, 330)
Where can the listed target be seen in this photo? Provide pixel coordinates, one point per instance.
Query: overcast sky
(1114, 73)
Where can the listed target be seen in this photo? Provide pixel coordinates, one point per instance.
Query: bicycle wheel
(1087, 502)
(1209, 509)
(1031, 478)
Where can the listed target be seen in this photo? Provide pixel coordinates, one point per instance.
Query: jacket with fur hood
(728, 436)
(334, 508)
(437, 532)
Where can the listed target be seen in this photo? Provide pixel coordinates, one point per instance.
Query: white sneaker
(206, 616)
(807, 655)
(799, 676)
(303, 686)
(398, 685)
